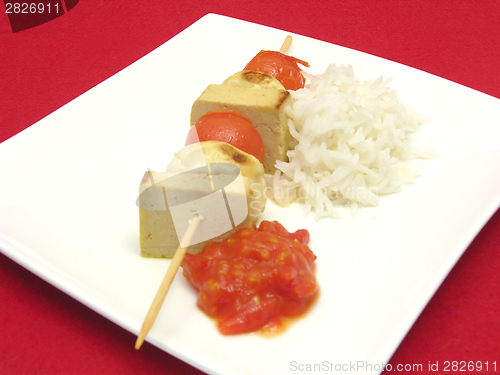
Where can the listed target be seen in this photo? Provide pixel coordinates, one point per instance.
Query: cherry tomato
(230, 127)
(282, 67)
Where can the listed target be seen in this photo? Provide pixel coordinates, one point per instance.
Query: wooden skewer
(167, 281)
(286, 44)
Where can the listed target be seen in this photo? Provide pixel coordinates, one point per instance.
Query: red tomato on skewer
(282, 67)
(230, 127)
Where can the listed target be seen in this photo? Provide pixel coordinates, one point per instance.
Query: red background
(42, 68)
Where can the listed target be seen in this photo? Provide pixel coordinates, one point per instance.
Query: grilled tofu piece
(251, 79)
(168, 200)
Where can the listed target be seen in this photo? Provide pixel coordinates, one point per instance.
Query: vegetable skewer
(177, 260)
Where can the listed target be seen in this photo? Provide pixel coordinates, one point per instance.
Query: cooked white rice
(350, 143)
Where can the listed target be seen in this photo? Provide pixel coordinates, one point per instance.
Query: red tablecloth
(43, 331)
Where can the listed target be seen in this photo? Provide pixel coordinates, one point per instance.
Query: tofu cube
(168, 200)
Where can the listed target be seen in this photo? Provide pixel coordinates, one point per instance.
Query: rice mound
(350, 143)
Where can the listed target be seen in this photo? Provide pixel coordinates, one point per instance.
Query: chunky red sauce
(254, 278)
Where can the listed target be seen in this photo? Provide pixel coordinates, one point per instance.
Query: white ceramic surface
(69, 184)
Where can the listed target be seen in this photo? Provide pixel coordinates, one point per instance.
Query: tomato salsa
(254, 278)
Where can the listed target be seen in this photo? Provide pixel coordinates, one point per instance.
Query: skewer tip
(167, 281)
(139, 342)
(286, 44)
(141, 337)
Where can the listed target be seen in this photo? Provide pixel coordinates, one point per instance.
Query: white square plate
(68, 213)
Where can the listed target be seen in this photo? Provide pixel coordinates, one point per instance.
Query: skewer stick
(167, 281)
(286, 44)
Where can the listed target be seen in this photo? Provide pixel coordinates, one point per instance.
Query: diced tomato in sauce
(254, 278)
